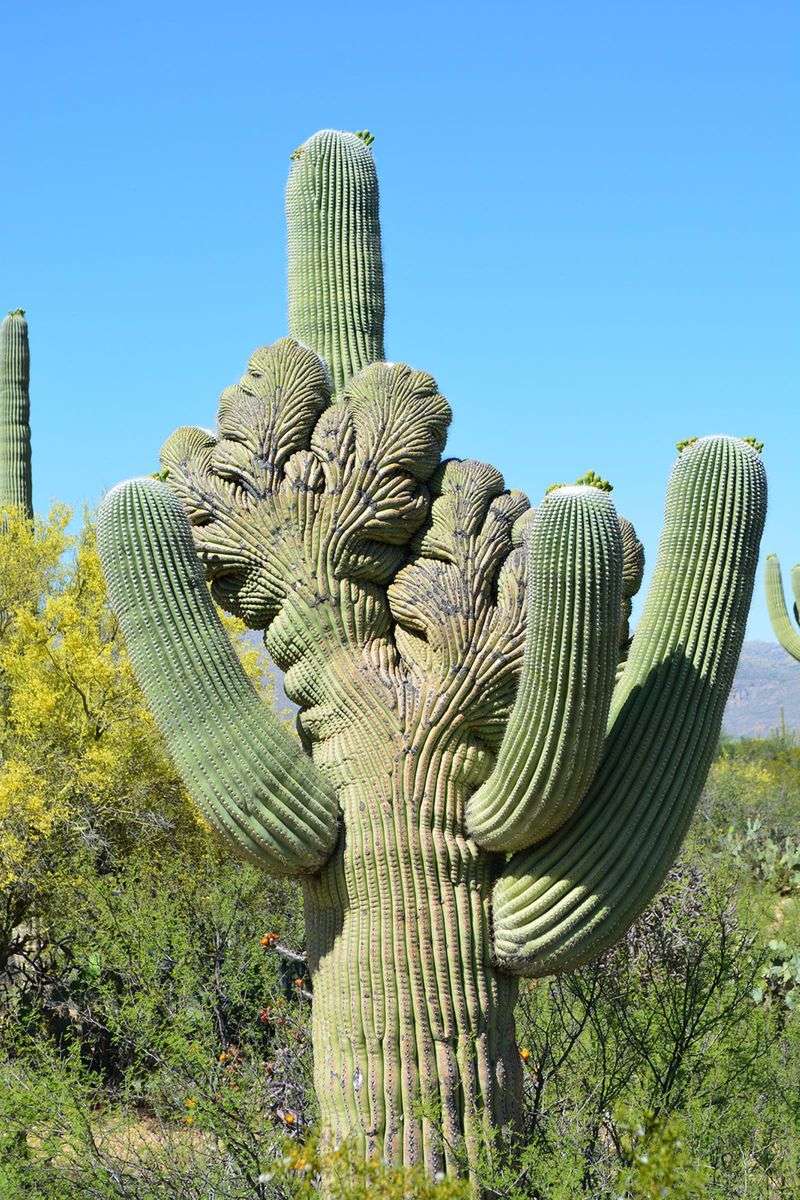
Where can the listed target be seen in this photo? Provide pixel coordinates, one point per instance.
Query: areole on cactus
(787, 633)
(478, 798)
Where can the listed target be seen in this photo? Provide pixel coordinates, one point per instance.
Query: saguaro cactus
(15, 430)
(478, 799)
(785, 631)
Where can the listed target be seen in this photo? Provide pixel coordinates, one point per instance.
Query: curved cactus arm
(573, 895)
(555, 733)
(336, 304)
(785, 632)
(15, 430)
(242, 769)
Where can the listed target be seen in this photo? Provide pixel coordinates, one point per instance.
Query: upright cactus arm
(242, 769)
(556, 729)
(573, 895)
(785, 632)
(336, 301)
(15, 430)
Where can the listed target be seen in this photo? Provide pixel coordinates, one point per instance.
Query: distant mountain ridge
(765, 693)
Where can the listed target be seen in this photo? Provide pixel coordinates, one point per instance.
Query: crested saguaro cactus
(15, 430)
(479, 798)
(785, 631)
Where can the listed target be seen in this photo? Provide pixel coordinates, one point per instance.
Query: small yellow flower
(190, 1102)
(524, 1053)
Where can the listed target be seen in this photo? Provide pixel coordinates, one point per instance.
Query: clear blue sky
(590, 216)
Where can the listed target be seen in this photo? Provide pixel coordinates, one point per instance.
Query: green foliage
(776, 863)
(753, 778)
(780, 980)
(661, 1163)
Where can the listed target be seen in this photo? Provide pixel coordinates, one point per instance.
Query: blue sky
(590, 216)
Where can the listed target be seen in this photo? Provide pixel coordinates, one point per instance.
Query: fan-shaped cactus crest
(477, 797)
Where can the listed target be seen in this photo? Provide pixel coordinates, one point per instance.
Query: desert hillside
(767, 685)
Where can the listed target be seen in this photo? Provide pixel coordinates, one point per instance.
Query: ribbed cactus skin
(242, 769)
(555, 732)
(574, 895)
(336, 303)
(785, 631)
(453, 654)
(15, 430)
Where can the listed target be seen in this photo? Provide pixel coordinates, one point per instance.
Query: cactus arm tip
(336, 297)
(240, 766)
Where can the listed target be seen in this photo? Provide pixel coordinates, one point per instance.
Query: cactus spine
(785, 631)
(454, 656)
(15, 430)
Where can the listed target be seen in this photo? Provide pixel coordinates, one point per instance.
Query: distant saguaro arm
(15, 429)
(786, 633)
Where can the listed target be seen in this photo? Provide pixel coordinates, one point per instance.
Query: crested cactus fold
(15, 430)
(496, 776)
(787, 633)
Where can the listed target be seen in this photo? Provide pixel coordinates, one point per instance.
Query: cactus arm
(15, 430)
(632, 572)
(782, 625)
(556, 729)
(572, 896)
(336, 304)
(241, 768)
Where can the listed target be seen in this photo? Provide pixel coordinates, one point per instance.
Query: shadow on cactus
(477, 796)
(787, 632)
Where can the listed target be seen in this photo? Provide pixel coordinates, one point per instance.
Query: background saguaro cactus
(480, 799)
(786, 632)
(15, 430)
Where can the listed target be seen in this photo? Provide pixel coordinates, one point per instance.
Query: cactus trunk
(414, 1047)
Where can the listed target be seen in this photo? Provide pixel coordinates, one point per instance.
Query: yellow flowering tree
(82, 765)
